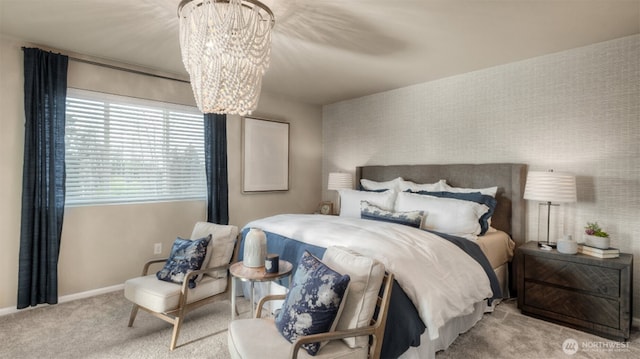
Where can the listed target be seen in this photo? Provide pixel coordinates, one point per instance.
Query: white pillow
(375, 186)
(446, 215)
(350, 201)
(490, 191)
(431, 187)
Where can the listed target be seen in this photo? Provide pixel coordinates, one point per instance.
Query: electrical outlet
(157, 248)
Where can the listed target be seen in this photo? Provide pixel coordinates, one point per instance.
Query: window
(122, 150)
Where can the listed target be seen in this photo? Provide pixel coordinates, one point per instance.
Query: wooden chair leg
(134, 312)
(176, 331)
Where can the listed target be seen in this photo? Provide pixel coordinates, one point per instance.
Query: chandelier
(226, 46)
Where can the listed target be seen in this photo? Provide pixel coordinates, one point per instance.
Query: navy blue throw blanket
(404, 326)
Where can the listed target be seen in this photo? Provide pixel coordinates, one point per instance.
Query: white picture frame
(265, 155)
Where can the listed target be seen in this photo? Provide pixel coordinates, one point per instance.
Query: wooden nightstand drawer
(593, 309)
(590, 278)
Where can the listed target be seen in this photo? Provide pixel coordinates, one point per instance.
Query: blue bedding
(404, 326)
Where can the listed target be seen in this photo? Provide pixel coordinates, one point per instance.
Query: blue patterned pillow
(410, 218)
(313, 302)
(186, 256)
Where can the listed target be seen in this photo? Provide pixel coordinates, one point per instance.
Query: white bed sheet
(442, 281)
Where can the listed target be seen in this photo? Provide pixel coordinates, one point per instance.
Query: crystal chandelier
(226, 46)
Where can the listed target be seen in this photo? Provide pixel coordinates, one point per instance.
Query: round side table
(250, 274)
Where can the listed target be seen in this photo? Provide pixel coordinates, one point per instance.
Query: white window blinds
(122, 150)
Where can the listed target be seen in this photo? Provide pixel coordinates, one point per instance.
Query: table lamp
(550, 187)
(338, 181)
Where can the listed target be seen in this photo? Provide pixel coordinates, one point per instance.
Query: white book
(599, 253)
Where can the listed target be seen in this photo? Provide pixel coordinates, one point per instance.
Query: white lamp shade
(550, 187)
(340, 180)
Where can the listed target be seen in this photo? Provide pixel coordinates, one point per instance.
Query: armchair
(172, 301)
(363, 316)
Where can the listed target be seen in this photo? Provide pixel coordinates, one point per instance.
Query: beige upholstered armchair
(172, 301)
(368, 293)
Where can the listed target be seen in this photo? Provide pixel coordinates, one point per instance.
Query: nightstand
(576, 290)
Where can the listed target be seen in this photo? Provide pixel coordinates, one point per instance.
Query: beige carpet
(97, 328)
(506, 333)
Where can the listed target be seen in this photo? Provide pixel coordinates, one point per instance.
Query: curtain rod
(73, 56)
(115, 67)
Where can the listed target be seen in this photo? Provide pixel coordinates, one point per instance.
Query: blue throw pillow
(313, 302)
(411, 218)
(186, 256)
(473, 197)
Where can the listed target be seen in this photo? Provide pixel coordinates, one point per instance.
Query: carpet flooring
(96, 327)
(506, 333)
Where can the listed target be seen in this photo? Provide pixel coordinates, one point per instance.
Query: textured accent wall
(575, 111)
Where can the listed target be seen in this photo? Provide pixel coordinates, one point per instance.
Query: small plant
(593, 229)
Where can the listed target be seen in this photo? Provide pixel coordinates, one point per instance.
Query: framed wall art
(265, 155)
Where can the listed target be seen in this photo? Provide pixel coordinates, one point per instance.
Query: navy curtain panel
(215, 153)
(43, 177)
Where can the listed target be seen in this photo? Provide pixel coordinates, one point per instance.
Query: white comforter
(442, 281)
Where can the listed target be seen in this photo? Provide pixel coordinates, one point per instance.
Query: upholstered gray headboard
(510, 178)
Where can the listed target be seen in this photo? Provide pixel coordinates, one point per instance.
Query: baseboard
(67, 298)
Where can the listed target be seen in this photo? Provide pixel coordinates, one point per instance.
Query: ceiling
(332, 50)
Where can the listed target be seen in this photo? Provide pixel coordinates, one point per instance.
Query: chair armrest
(145, 269)
(185, 282)
(265, 299)
(207, 270)
(321, 337)
(201, 271)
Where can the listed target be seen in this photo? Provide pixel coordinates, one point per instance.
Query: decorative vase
(567, 245)
(255, 248)
(598, 242)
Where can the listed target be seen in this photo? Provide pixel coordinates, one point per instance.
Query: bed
(425, 315)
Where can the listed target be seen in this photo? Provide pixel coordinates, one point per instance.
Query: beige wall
(576, 111)
(104, 245)
(11, 150)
